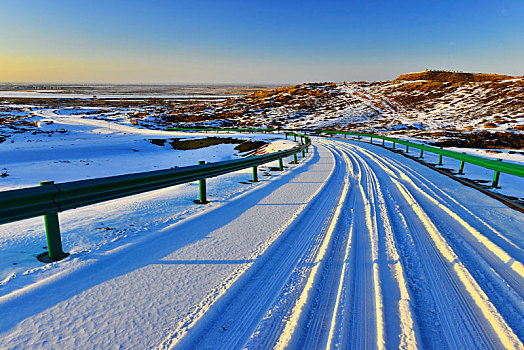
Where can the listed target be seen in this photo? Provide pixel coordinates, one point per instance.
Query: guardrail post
(52, 231)
(303, 154)
(421, 153)
(383, 142)
(461, 168)
(295, 159)
(496, 176)
(295, 135)
(358, 137)
(255, 174)
(440, 158)
(407, 149)
(371, 139)
(280, 164)
(393, 145)
(307, 149)
(202, 187)
(286, 135)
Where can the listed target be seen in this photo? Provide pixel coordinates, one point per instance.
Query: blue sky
(248, 41)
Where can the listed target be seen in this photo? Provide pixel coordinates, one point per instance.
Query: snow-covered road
(359, 247)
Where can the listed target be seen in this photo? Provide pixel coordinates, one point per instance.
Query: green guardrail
(497, 165)
(49, 198)
(287, 132)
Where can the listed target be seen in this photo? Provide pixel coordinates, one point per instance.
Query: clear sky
(244, 41)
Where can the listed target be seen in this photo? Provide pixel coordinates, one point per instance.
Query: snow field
(357, 247)
(145, 308)
(105, 148)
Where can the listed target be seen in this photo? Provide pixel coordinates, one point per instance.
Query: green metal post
(496, 177)
(371, 139)
(307, 149)
(303, 154)
(295, 135)
(202, 186)
(407, 149)
(255, 174)
(393, 145)
(421, 153)
(286, 135)
(358, 137)
(383, 142)
(440, 159)
(295, 159)
(280, 164)
(461, 168)
(52, 231)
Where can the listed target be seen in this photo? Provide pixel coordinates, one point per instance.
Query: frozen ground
(51, 94)
(75, 146)
(354, 247)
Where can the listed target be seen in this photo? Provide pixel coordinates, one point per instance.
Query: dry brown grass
(422, 86)
(453, 77)
(482, 139)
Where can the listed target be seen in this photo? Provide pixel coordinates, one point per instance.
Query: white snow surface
(50, 94)
(355, 246)
(90, 148)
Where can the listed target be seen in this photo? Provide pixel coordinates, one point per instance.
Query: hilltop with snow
(467, 108)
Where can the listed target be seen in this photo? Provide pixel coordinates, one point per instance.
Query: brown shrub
(485, 139)
(453, 77)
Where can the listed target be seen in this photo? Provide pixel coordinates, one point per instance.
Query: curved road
(358, 247)
(384, 256)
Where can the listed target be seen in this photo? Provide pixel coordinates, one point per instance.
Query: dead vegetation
(180, 144)
(481, 139)
(453, 77)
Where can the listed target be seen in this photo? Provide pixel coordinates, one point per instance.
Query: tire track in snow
(396, 274)
(438, 200)
(321, 264)
(353, 316)
(486, 261)
(435, 273)
(377, 273)
(230, 320)
(465, 279)
(341, 308)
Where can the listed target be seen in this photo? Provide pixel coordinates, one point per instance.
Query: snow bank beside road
(135, 294)
(89, 148)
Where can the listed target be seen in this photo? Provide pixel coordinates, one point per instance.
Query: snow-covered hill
(470, 113)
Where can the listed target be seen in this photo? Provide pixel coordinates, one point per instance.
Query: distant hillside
(467, 109)
(453, 77)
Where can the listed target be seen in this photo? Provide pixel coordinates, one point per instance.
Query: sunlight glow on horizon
(205, 42)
